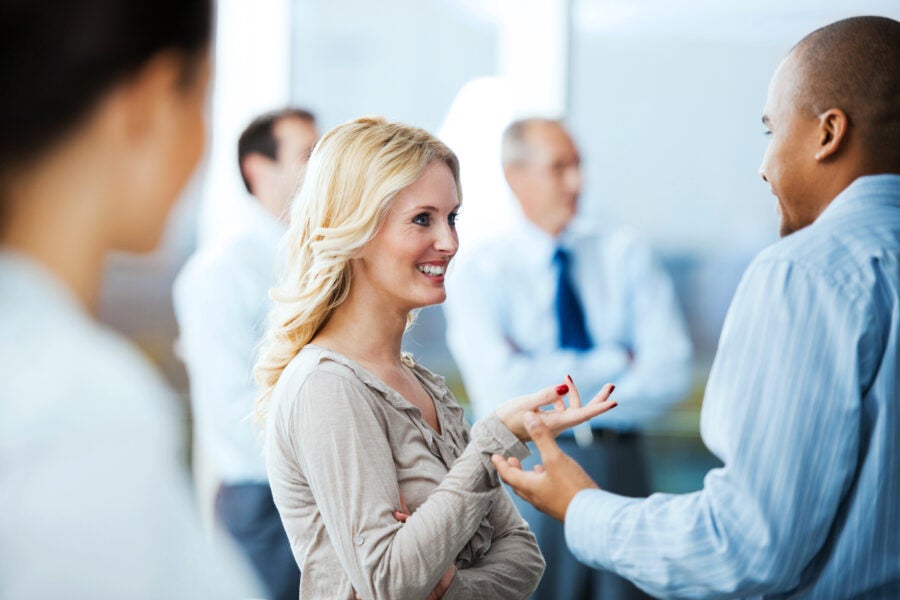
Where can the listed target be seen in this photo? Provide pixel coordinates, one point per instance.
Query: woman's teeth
(433, 270)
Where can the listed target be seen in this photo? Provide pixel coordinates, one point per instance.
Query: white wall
(404, 59)
(666, 103)
(251, 76)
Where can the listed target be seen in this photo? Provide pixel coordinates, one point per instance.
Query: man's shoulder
(825, 250)
(218, 254)
(205, 262)
(847, 260)
(492, 253)
(234, 260)
(593, 240)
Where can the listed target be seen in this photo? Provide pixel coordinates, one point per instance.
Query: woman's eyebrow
(430, 208)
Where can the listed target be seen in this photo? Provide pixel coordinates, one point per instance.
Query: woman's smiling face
(404, 265)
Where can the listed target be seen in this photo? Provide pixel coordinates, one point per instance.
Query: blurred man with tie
(554, 294)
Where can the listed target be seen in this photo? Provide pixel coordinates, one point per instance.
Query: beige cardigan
(340, 448)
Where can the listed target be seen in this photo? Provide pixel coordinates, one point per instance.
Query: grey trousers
(248, 513)
(616, 463)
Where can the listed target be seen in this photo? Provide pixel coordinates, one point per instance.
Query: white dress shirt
(503, 333)
(803, 408)
(221, 301)
(94, 497)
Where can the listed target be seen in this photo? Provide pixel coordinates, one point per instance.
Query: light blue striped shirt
(802, 409)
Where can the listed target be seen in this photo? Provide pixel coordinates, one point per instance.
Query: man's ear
(255, 167)
(832, 132)
(513, 175)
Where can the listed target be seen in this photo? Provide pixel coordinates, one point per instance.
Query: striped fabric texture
(803, 408)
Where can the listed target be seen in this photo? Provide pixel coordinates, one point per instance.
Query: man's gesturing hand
(551, 487)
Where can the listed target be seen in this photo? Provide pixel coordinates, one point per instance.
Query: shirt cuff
(493, 437)
(588, 521)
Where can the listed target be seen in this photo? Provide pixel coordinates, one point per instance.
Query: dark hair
(259, 138)
(59, 57)
(854, 64)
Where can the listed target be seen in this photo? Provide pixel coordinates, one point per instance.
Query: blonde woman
(383, 489)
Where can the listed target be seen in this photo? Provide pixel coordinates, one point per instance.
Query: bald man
(802, 401)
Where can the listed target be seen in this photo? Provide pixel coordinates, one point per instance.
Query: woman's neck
(53, 219)
(363, 331)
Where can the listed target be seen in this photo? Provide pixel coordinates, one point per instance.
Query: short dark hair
(58, 57)
(259, 136)
(854, 64)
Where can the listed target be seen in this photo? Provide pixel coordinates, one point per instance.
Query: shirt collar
(869, 189)
(432, 382)
(539, 246)
(27, 280)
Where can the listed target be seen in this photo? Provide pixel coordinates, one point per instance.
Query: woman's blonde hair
(354, 172)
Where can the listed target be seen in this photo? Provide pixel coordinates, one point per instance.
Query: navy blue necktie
(569, 313)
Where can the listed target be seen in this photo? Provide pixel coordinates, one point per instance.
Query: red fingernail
(570, 378)
(612, 388)
(562, 390)
(614, 404)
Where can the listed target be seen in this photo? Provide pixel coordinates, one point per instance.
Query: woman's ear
(147, 97)
(159, 136)
(832, 131)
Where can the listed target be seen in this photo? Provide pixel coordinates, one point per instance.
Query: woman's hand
(443, 585)
(446, 579)
(559, 418)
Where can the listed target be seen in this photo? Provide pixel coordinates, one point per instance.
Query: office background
(663, 97)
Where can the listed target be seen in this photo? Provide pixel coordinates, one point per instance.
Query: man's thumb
(540, 434)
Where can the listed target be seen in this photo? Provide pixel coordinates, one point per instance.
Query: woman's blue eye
(423, 219)
(452, 218)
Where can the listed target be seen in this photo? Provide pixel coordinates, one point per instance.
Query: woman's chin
(430, 300)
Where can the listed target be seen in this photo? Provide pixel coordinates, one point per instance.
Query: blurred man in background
(551, 294)
(221, 300)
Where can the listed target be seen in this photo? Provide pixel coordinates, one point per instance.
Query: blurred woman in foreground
(101, 124)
